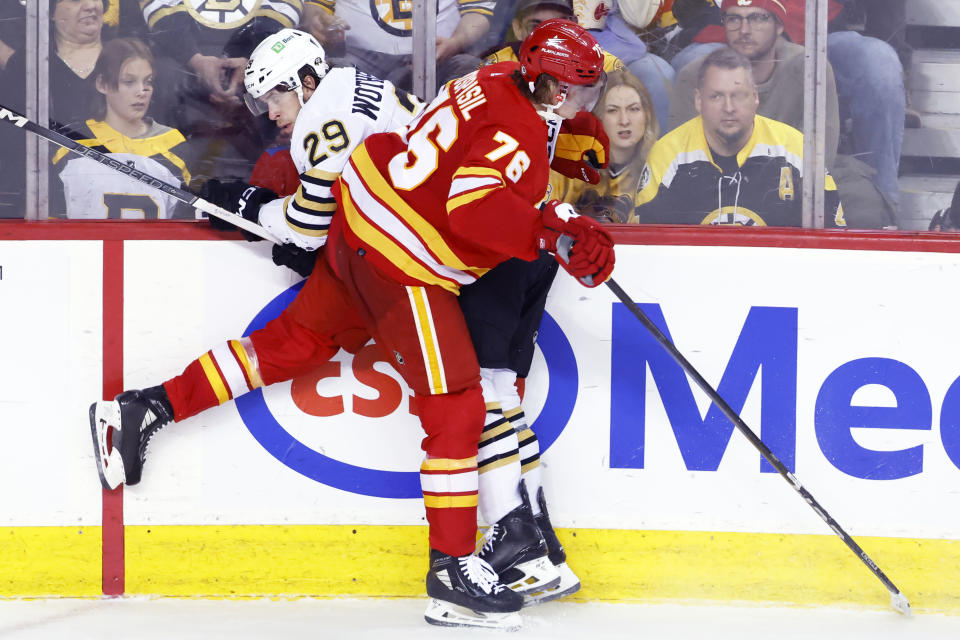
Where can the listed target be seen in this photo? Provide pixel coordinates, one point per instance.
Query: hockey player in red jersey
(432, 207)
(439, 203)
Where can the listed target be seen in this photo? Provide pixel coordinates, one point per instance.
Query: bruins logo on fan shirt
(394, 16)
(735, 216)
(222, 14)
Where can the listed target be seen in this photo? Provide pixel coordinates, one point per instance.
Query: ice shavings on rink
(142, 618)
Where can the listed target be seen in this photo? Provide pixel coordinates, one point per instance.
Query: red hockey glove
(582, 246)
(582, 148)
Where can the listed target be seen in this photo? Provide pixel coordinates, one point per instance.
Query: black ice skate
(465, 592)
(121, 429)
(569, 582)
(516, 550)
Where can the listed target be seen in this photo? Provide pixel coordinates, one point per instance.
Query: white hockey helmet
(276, 63)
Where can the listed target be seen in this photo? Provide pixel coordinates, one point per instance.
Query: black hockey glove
(238, 197)
(297, 258)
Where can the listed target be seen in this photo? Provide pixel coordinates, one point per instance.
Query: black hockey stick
(182, 195)
(897, 600)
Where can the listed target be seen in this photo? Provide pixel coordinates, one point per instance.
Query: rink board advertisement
(841, 359)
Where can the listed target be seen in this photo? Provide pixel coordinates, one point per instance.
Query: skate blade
(446, 614)
(104, 416)
(538, 575)
(569, 584)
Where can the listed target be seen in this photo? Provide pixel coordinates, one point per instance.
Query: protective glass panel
(12, 140)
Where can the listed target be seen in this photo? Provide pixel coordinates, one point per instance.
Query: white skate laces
(489, 536)
(480, 573)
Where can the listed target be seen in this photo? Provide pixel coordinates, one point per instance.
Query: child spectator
(123, 77)
(76, 39)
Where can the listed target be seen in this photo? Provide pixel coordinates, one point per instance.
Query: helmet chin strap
(549, 112)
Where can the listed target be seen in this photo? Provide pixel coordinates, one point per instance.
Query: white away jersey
(348, 106)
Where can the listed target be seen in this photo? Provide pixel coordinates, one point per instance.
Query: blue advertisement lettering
(834, 418)
(767, 343)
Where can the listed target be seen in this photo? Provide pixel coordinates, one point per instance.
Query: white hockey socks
(498, 458)
(505, 385)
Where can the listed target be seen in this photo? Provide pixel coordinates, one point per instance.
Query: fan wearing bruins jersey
(729, 166)
(203, 46)
(379, 35)
(123, 76)
(183, 29)
(386, 26)
(91, 190)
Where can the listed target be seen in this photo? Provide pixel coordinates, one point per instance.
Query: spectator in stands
(777, 68)
(885, 20)
(728, 165)
(531, 13)
(76, 28)
(626, 111)
(948, 219)
(123, 76)
(872, 96)
(869, 86)
(756, 31)
(379, 40)
(202, 51)
(326, 27)
(614, 23)
(681, 34)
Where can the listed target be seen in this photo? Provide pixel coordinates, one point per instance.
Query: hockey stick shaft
(898, 600)
(182, 195)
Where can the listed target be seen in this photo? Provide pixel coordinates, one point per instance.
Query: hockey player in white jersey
(327, 113)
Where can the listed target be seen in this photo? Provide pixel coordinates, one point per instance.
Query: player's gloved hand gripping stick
(17, 120)
(595, 267)
(582, 246)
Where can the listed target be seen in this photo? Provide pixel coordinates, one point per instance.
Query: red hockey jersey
(454, 193)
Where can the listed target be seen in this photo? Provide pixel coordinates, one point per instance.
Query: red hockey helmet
(563, 49)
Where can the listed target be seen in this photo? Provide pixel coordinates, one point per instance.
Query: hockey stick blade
(898, 601)
(18, 120)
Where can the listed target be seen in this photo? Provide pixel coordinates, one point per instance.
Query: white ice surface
(146, 619)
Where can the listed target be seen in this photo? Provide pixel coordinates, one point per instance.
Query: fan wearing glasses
(755, 29)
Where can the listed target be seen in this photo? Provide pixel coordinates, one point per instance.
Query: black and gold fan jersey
(183, 28)
(91, 190)
(684, 182)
